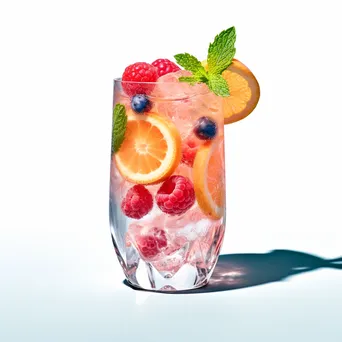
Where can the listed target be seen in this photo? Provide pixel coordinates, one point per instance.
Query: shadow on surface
(236, 271)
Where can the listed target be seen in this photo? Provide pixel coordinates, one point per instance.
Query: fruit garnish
(151, 243)
(139, 72)
(138, 202)
(189, 149)
(176, 195)
(165, 66)
(151, 150)
(205, 128)
(208, 175)
(119, 126)
(140, 103)
(220, 55)
(244, 92)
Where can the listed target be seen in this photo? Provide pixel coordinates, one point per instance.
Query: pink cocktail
(167, 183)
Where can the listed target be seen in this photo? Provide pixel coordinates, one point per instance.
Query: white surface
(60, 280)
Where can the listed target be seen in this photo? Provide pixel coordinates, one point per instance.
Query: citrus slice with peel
(151, 149)
(208, 176)
(244, 92)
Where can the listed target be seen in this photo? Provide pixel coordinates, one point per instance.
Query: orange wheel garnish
(151, 150)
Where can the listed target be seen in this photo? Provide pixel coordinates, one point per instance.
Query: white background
(60, 279)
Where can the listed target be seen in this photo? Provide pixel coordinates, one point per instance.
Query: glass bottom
(167, 288)
(148, 278)
(162, 276)
(166, 253)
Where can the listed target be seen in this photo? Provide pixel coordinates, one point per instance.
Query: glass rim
(119, 80)
(203, 91)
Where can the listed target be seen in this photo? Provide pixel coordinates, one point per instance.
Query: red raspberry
(176, 195)
(151, 244)
(189, 149)
(164, 66)
(139, 72)
(138, 202)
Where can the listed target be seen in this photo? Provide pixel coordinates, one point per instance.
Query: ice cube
(193, 215)
(203, 226)
(169, 87)
(118, 185)
(184, 170)
(195, 230)
(206, 247)
(122, 98)
(184, 103)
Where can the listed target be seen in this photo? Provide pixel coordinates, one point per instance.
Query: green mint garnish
(221, 52)
(192, 80)
(218, 85)
(190, 63)
(119, 127)
(220, 55)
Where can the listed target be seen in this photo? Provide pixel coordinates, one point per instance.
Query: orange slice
(208, 175)
(151, 150)
(244, 92)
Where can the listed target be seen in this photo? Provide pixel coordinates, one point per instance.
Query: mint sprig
(221, 52)
(192, 80)
(220, 55)
(218, 85)
(119, 127)
(190, 63)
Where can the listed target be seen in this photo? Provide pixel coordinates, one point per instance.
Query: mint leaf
(220, 55)
(221, 52)
(119, 127)
(218, 85)
(191, 63)
(192, 80)
(196, 78)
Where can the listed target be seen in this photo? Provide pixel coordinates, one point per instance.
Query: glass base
(186, 278)
(166, 289)
(185, 263)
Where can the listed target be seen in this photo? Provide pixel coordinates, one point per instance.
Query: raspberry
(164, 66)
(152, 243)
(139, 72)
(189, 149)
(138, 202)
(176, 195)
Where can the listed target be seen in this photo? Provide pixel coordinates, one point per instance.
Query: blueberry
(140, 103)
(205, 128)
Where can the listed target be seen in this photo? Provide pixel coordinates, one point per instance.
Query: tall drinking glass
(167, 185)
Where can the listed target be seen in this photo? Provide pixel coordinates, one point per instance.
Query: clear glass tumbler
(167, 185)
